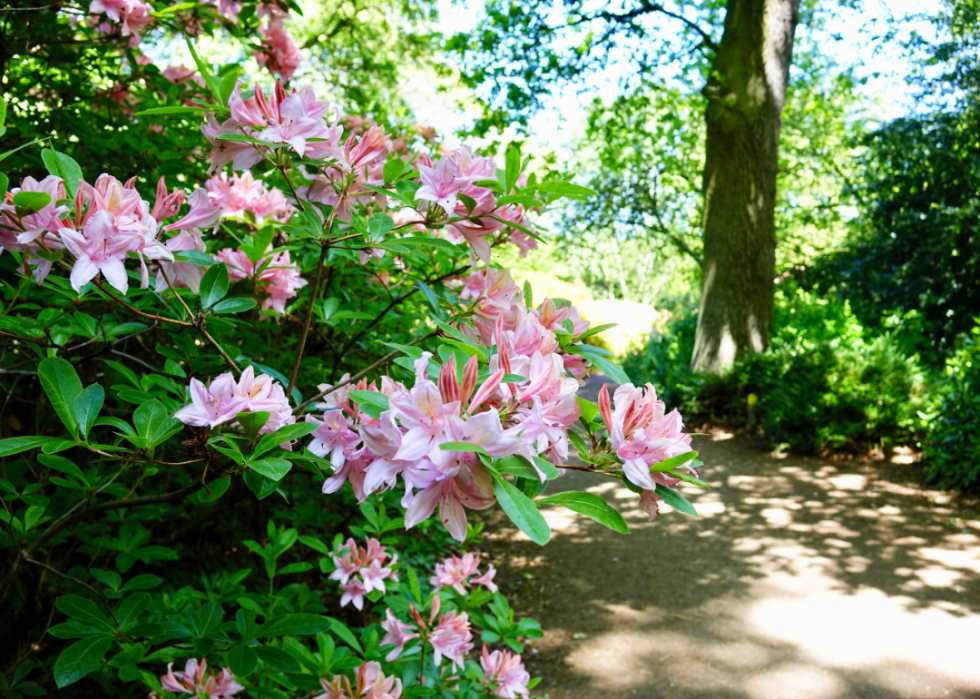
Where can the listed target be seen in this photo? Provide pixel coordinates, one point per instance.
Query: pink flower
(504, 674)
(214, 405)
(201, 215)
(370, 683)
(471, 486)
(440, 184)
(396, 633)
(193, 681)
(451, 638)
(643, 436)
(333, 437)
(354, 592)
(456, 572)
(99, 249)
(244, 194)
(279, 53)
(276, 278)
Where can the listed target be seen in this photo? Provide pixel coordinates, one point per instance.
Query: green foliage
(828, 383)
(952, 452)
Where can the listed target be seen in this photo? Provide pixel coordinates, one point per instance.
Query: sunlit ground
(801, 578)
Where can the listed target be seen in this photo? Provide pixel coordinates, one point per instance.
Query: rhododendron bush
(252, 416)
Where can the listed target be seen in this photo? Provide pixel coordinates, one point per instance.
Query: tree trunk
(746, 92)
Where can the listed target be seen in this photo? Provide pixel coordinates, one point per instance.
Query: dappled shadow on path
(801, 578)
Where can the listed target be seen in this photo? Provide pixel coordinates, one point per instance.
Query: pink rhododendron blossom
(451, 638)
(279, 52)
(224, 398)
(193, 681)
(369, 683)
(396, 633)
(643, 436)
(244, 194)
(276, 278)
(504, 674)
(362, 570)
(456, 573)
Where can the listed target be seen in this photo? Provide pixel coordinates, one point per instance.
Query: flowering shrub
(328, 312)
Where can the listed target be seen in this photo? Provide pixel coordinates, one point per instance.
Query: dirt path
(801, 578)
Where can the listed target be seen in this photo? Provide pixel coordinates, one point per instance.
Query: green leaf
(379, 400)
(341, 630)
(592, 506)
(278, 659)
(275, 469)
(65, 167)
(464, 446)
(295, 625)
(430, 295)
(673, 462)
(688, 478)
(80, 658)
(676, 500)
(284, 434)
(242, 660)
(235, 305)
(379, 225)
(547, 468)
(154, 423)
(83, 610)
(106, 577)
(205, 72)
(15, 445)
(516, 466)
(606, 366)
(260, 485)
(4, 181)
(253, 422)
(3, 156)
(217, 487)
(439, 243)
(589, 409)
(62, 385)
(521, 510)
(60, 463)
(513, 166)
(131, 608)
(564, 189)
(195, 257)
(521, 199)
(142, 582)
(414, 586)
(214, 285)
(31, 202)
(393, 168)
(86, 409)
(171, 110)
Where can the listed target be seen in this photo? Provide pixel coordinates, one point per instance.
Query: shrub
(187, 379)
(825, 384)
(952, 451)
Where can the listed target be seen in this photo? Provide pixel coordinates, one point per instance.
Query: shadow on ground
(801, 578)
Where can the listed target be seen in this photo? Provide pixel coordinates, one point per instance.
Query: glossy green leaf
(521, 510)
(65, 167)
(590, 505)
(62, 385)
(214, 285)
(80, 658)
(676, 500)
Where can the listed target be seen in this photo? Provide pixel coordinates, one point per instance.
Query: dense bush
(827, 383)
(952, 451)
(224, 407)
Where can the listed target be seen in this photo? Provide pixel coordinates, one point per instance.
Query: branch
(647, 8)
(356, 377)
(324, 249)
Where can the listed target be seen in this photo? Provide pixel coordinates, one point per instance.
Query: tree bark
(746, 92)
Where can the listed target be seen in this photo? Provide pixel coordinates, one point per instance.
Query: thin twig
(85, 584)
(221, 351)
(380, 363)
(324, 249)
(172, 321)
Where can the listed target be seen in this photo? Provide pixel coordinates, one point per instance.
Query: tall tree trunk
(746, 92)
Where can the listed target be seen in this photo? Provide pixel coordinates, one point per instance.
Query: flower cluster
(221, 401)
(296, 118)
(362, 570)
(642, 435)
(275, 277)
(449, 634)
(528, 415)
(193, 681)
(504, 674)
(125, 17)
(107, 222)
(369, 683)
(243, 194)
(279, 52)
(456, 572)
